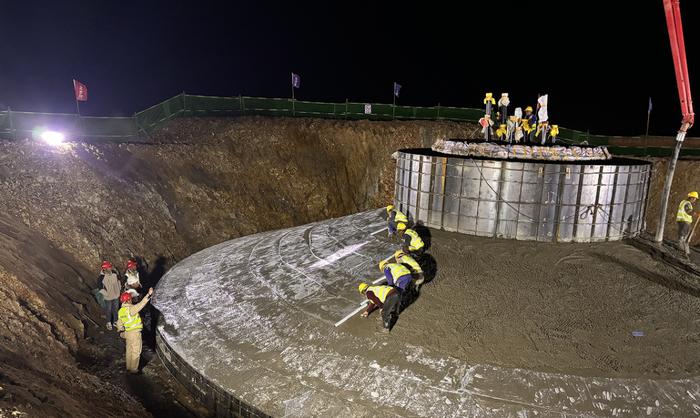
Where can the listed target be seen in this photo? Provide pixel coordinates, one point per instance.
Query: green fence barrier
(19, 125)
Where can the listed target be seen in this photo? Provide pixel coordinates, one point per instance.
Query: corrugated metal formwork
(563, 202)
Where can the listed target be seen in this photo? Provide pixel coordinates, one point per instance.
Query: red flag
(81, 92)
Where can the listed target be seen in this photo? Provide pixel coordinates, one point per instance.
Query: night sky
(599, 62)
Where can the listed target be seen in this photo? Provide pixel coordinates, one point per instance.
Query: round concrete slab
(248, 325)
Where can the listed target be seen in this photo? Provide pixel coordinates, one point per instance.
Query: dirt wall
(202, 181)
(686, 178)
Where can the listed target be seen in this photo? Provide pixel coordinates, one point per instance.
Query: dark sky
(598, 60)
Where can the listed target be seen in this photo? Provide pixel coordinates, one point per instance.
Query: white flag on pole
(542, 112)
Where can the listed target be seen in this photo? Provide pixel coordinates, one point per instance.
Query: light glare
(52, 137)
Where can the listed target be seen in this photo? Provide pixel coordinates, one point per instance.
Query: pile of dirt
(200, 182)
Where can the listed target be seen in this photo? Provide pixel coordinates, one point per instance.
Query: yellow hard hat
(389, 208)
(362, 287)
(401, 226)
(399, 254)
(382, 264)
(528, 109)
(693, 194)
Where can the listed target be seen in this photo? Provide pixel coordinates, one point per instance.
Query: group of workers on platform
(403, 273)
(684, 218)
(126, 319)
(518, 128)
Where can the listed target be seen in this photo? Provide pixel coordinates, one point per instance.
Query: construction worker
(133, 282)
(405, 259)
(385, 298)
(394, 216)
(396, 275)
(412, 242)
(501, 132)
(529, 125)
(684, 218)
(109, 288)
(130, 326)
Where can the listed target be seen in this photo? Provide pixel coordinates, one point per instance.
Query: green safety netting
(18, 125)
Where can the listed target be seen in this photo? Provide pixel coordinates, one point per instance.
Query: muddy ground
(202, 181)
(556, 308)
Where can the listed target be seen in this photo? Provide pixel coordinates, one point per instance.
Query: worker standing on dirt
(109, 287)
(684, 218)
(393, 217)
(406, 260)
(130, 326)
(411, 240)
(385, 298)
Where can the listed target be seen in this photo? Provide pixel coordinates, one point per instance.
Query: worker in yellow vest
(416, 270)
(393, 217)
(385, 298)
(130, 326)
(684, 218)
(411, 240)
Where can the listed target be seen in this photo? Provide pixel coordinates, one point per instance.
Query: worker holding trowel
(684, 218)
(385, 298)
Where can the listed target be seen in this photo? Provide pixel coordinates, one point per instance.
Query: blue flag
(397, 89)
(649, 111)
(296, 80)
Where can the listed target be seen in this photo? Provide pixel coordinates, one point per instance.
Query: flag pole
(293, 111)
(646, 135)
(393, 106)
(77, 104)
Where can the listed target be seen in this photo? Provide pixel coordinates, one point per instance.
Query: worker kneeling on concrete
(411, 241)
(384, 298)
(405, 259)
(130, 326)
(399, 276)
(393, 217)
(684, 218)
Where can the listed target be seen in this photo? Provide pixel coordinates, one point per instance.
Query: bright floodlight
(52, 137)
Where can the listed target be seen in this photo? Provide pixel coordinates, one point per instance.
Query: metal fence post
(184, 103)
(242, 104)
(438, 111)
(346, 108)
(12, 126)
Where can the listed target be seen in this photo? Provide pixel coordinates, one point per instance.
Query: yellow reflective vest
(682, 215)
(380, 291)
(400, 216)
(131, 322)
(416, 241)
(407, 259)
(397, 270)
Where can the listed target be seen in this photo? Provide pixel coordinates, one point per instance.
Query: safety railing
(19, 125)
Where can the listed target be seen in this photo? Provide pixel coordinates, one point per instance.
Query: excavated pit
(203, 181)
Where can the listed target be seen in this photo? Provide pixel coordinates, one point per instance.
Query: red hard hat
(125, 297)
(131, 264)
(106, 265)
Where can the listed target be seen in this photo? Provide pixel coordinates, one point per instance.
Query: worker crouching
(393, 218)
(130, 326)
(385, 298)
(411, 242)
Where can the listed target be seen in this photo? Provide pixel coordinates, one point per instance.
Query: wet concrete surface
(505, 328)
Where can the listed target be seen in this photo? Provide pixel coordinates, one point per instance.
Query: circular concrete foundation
(523, 199)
